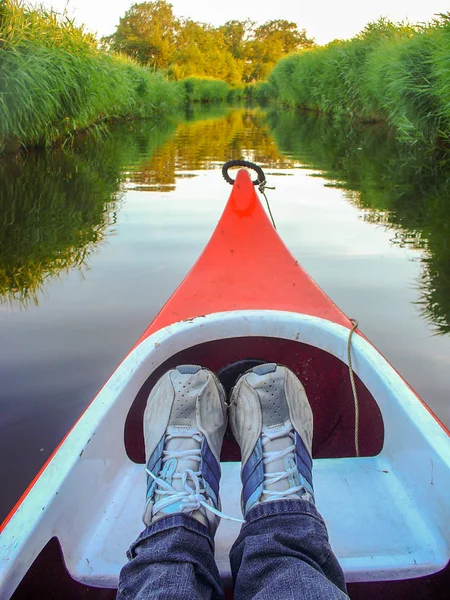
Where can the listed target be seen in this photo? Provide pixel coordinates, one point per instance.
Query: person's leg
(184, 425)
(283, 549)
(173, 559)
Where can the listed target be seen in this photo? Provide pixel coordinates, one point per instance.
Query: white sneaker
(272, 421)
(184, 425)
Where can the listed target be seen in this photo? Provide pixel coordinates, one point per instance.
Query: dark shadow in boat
(326, 380)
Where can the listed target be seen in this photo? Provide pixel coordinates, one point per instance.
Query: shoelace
(192, 497)
(269, 457)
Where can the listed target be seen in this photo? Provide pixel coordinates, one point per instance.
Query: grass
(396, 73)
(54, 81)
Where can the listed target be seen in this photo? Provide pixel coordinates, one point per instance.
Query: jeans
(282, 553)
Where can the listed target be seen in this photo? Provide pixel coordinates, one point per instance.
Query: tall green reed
(398, 73)
(201, 89)
(54, 80)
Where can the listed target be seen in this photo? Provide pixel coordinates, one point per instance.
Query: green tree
(236, 35)
(201, 51)
(236, 51)
(270, 42)
(147, 32)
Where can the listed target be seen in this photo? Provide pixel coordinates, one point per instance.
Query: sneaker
(184, 424)
(272, 421)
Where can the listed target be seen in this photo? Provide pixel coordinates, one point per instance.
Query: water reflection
(401, 187)
(55, 207)
(200, 144)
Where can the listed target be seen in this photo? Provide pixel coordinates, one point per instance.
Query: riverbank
(399, 74)
(55, 82)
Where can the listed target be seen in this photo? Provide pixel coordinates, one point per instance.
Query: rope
(262, 187)
(352, 381)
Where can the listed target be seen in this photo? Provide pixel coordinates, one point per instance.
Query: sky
(323, 20)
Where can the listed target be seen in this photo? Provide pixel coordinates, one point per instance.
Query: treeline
(397, 73)
(236, 52)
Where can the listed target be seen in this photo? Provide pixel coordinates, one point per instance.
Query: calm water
(94, 238)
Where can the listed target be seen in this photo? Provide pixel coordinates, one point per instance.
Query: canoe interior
(388, 507)
(326, 380)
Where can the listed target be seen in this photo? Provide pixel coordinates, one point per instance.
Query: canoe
(381, 457)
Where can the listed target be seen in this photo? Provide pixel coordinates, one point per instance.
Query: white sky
(324, 20)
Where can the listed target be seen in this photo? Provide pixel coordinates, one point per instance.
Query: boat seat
(377, 530)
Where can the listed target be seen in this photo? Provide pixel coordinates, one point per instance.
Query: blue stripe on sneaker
(253, 499)
(151, 485)
(304, 461)
(305, 483)
(255, 458)
(210, 493)
(210, 469)
(156, 457)
(154, 465)
(253, 474)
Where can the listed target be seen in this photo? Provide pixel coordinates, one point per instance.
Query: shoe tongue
(181, 441)
(277, 445)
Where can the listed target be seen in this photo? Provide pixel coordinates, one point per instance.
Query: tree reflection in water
(404, 187)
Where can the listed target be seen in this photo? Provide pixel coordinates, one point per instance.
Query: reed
(54, 81)
(398, 73)
(206, 90)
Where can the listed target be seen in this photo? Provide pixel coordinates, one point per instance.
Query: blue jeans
(282, 553)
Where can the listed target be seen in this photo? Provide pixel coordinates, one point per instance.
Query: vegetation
(399, 186)
(54, 81)
(390, 72)
(196, 89)
(237, 52)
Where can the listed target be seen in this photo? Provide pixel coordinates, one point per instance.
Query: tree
(271, 41)
(236, 35)
(147, 32)
(235, 52)
(202, 51)
(285, 34)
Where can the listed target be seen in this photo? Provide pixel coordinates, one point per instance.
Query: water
(94, 238)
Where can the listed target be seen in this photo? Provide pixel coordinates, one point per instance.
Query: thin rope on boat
(262, 187)
(352, 381)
